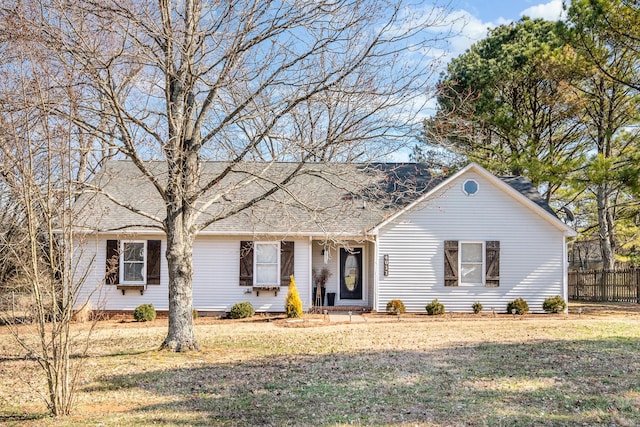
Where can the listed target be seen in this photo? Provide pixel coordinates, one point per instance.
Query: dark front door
(350, 274)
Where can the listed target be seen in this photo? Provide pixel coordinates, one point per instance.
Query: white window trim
(465, 191)
(255, 264)
(484, 263)
(144, 263)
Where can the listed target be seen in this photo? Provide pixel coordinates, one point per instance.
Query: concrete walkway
(342, 317)
(357, 317)
(345, 317)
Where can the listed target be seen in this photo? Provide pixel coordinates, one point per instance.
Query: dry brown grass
(458, 370)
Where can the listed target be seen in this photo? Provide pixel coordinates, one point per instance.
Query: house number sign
(386, 265)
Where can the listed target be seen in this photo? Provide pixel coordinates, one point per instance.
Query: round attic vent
(470, 187)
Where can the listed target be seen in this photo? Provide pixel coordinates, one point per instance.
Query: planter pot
(331, 299)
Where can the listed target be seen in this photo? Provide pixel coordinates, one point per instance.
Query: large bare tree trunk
(181, 335)
(180, 230)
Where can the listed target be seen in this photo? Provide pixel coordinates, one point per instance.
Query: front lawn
(536, 370)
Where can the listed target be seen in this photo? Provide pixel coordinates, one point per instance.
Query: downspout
(376, 272)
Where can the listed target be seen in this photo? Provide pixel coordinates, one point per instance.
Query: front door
(351, 274)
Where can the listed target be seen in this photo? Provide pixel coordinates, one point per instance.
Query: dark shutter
(153, 262)
(492, 259)
(112, 276)
(451, 263)
(246, 263)
(286, 262)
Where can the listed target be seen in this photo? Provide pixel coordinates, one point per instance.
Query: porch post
(376, 272)
(565, 272)
(309, 273)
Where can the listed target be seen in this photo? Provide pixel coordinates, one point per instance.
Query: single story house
(374, 232)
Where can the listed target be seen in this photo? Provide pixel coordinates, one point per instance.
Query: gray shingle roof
(526, 188)
(331, 199)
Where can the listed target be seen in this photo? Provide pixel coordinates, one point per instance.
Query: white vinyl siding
(215, 277)
(531, 250)
(216, 282)
(91, 255)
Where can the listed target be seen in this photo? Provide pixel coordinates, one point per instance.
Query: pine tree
(293, 305)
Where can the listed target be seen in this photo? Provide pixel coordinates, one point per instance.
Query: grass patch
(543, 370)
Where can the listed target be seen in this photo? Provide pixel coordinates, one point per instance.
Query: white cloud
(461, 30)
(551, 11)
(469, 29)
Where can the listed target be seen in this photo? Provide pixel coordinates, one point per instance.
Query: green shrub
(293, 305)
(194, 314)
(241, 310)
(396, 306)
(144, 313)
(477, 307)
(554, 304)
(520, 305)
(435, 307)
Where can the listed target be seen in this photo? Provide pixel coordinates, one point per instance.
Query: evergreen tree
(612, 107)
(293, 305)
(506, 104)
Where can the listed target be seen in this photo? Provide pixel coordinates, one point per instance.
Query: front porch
(344, 274)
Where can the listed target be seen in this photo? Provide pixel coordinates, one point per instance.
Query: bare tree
(40, 160)
(237, 81)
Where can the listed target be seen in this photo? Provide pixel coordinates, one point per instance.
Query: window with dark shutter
(112, 276)
(266, 264)
(451, 263)
(286, 262)
(492, 259)
(471, 263)
(246, 263)
(153, 262)
(133, 260)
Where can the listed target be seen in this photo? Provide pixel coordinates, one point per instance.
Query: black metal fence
(605, 286)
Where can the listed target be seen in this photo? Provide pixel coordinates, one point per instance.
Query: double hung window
(471, 263)
(267, 263)
(133, 262)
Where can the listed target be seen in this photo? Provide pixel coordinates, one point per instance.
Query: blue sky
(499, 11)
(479, 15)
